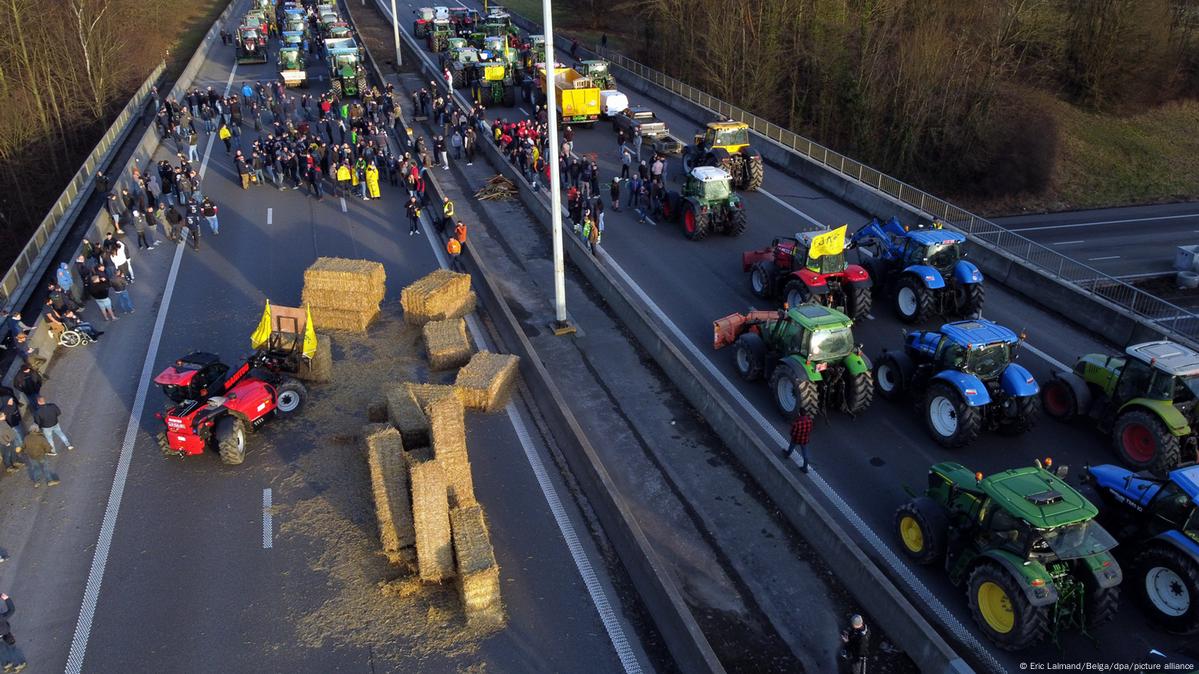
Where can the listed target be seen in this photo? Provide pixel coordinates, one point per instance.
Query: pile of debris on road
(497, 188)
(344, 294)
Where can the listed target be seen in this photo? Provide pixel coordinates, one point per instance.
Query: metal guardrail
(62, 210)
(1168, 317)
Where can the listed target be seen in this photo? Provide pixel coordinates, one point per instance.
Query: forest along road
(188, 566)
(867, 462)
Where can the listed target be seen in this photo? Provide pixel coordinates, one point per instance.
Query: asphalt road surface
(862, 465)
(173, 567)
(1126, 242)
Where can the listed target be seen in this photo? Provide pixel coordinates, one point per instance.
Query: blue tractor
(921, 268)
(965, 375)
(1156, 521)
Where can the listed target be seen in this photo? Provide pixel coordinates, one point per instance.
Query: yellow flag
(309, 334)
(263, 332)
(829, 243)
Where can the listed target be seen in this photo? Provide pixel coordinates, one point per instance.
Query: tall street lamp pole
(561, 324)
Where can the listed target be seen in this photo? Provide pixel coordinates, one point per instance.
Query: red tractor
(214, 410)
(827, 279)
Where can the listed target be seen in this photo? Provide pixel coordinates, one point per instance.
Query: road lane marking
(1044, 356)
(1100, 222)
(793, 209)
(343, 205)
(1068, 243)
(95, 575)
(270, 215)
(524, 111)
(1106, 257)
(267, 528)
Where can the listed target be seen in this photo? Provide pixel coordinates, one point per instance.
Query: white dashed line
(343, 205)
(1068, 243)
(1106, 257)
(267, 527)
(270, 215)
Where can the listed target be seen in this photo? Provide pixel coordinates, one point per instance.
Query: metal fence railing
(1166, 316)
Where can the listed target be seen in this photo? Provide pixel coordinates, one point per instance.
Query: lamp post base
(562, 328)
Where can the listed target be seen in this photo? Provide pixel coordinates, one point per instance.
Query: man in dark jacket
(856, 644)
(36, 450)
(9, 444)
(12, 419)
(46, 416)
(28, 383)
(12, 660)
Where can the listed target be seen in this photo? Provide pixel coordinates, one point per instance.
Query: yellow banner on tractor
(263, 332)
(829, 243)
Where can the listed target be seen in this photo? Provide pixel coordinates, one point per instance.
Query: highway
(863, 464)
(1126, 242)
(176, 565)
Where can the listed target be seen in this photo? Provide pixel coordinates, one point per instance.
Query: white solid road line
(1101, 222)
(343, 205)
(805, 216)
(95, 576)
(1106, 257)
(1044, 356)
(1067, 243)
(267, 527)
(270, 215)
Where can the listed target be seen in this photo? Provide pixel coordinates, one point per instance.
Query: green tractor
(1148, 400)
(291, 66)
(463, 59)
(496, 84)
(534, 52)
(599, 71)
(438, 37)
(806, 353)
(1026, 545)
(706, 204)
(345, 67)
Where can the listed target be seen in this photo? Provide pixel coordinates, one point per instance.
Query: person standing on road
(413, 209)
(855, 644)
(99, 290)
(120, 291)
(12, 419)
(46, 416)
(454, 249)
(801, 432)
(10, 444)
(28, 384)
(614, 193)
(209, 211)
(447, 213)
(36, 448)
(120, 258)
(13, 662)
(191, 225)
(372, 181)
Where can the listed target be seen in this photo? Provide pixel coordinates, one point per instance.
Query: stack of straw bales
(478, 573)
(344, 294)
(446, 343)
(389, 484)
(486, 382)
(406, 405)
(447, 419)
(431, 520)
(438, 296)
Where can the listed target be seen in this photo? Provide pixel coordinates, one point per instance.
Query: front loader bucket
(726, 330)
(750, 258)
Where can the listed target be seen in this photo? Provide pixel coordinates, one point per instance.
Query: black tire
(691, 159)
(913, 301)
(1144, 443)
(1058, 400)
(755, 173)
(695, 223)
(859, 392)
(1102, 603)
(954, 426)
(289, 397)
(750, 356)
(164, 444)
(737, 223)
(804, 391)
(796, 293)
(761, 280)
(858, 300)
(1030, 624)
(922, 526)
(1028, 408)
(891, 377)
(1185, 572)
(969, 299)
(335, 87)
(231, 440)
(458, 77)
(362, 85)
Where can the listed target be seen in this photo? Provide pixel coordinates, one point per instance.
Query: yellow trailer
(575, 96)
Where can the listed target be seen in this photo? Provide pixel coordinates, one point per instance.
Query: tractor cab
(195, 376)
(463, 19)
(497, 23)
(708, 183)
(823, 334)
(936, 248)
(284, 340)
(1162, 371)
(293, 40)
(468, 55)
(598, 71)
(251, 38)
(290, 59)
(424, 15)
(455, 45)
(979, 347)
(728, 136)
(340, 30)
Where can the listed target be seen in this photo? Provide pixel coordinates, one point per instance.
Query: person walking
(36, 450)
(13, 662)
(801, 432)
(454, 249)
(855, 644)
(10, 444)
(120, 290)
(209, 211)
(193, 146)
(191, 227)
(614, 193)
(413, 209)
(226, 137)
(47, 417)
(447, 213)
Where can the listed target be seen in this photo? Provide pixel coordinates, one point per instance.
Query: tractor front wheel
(793, 392)
(1024, 416)
(1144, 443)
(289, 397)
(952, 421)
(761, 280)
(1002, 611)
(751, 356)
(362, 85)
(913, 301)
(969, 299)
(859, 392)
(164, 444)
(231, 440)
(890, 376)
(736, 223)
(695, 223)
(858, 300)
(923, 528)
(1058, 400)
(796, 293)
(1169, 588)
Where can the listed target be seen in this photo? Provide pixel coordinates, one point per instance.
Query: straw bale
(341, 319)
(447, 421)
(406, 405)
(345, 271)
(478, 572)
(389, 484)
(485, 383)
(447, 344)
(431, 517)
(435, 296)
(339, 299)
(427, 394)
(320, 368)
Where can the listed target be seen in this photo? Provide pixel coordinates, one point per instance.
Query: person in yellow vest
(454, 248)
(372, 181)
(447, 213)
(353, 178)
(343, 180)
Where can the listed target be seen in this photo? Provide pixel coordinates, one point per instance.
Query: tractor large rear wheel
(1002, 611)
(923, 528)
(761, 280)
(1102, 603)
(1144, 443)
(695, 223)
(913, 301)
(335, 86)
(969, 299)
(858, 300)
(737, 223)
(231, 440)
(1168, 586)
(289, 397)
(751, 356)
(952, 422)
(793, 392)
(755, 172)
(859, 392)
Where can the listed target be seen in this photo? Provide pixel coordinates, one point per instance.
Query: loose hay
(447, 344)
(320, 368)
(447, 421)
(436, 296)
(338, 273)
(342, 319)
(340, 299)
(478, 572)
(431, 517)
(389, 484)
(485, 383)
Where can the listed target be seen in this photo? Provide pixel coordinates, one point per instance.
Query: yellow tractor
(726, 144)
